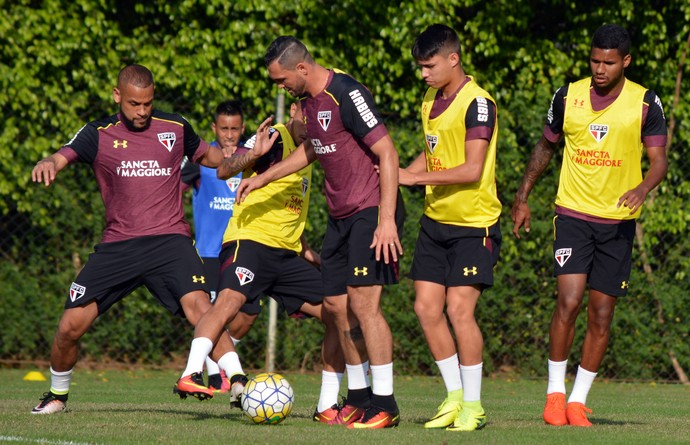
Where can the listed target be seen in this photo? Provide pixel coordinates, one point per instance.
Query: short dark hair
(230, 107)
(136, 75)
(288, 51)
(612, 37)
(435, 39)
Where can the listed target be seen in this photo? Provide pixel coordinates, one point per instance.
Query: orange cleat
(376, 418)
(349, 414)
(576, 413)
(328, 416)
(193, 385)
(554, 410)
(223, 386)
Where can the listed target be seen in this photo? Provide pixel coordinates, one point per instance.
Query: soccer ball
(267, 398)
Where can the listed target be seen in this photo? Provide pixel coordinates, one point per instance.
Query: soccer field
(138, 407)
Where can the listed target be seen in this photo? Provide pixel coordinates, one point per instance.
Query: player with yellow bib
(459, 238)
(607, 121)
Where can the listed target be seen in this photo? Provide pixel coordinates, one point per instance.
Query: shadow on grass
(602, 421)
(194, 415)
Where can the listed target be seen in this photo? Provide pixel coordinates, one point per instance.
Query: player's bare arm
(539, 160)
(468, 172)
(296, 161)
(235, 164)
(658, 166)
(239, 162)
(47, 169)
(406, 176)
(213, 157)
(385, 242)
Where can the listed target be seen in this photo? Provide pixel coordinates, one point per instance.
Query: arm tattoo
(235, 164)
(539, 160)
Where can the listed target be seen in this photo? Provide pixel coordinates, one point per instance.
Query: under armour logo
(200, 279)
(120, 144)
(468, 271)
(363, 271)
(625, 284)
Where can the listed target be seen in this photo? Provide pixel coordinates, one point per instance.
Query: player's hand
(229, 151)
(247, 185)
(386, 242)
(264, 139)
(632, 199)
(44, 171)
(312, 256)
(521, 215)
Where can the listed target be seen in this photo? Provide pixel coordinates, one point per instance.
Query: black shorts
(212, 274)
(602, 251)
(168, 265)
(347, 260)
(252, 269)
(292, 306)
(455, 255)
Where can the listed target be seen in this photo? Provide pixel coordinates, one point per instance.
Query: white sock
(201, 348)
(211, 366)
(450, 371)
(59, 381)
(382, 379)
(230, 363)
(557, 377)
(358, 376)
(583, 383)
(472, 382)
(330, 387)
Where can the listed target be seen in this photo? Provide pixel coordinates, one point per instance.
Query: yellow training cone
(34, 376)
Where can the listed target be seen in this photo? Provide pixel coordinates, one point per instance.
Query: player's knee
(72, 326)
(335, 305)
(427, 313)
(195, 305)
(364, 309)
(569, 305)
(600, 319)
(458, 313)
(64, 337)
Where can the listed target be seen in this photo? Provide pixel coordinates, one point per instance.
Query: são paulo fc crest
(431, 142)
(562, 255)
(598, 131)
(324, 118)
(233, 183)
(244, 275)
(167, 139)
(76, 291)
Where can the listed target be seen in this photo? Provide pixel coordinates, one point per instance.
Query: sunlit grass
(138, 407)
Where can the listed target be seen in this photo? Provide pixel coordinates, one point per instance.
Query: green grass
(138, 407)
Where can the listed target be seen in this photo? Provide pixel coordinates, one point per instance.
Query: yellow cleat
(446, 415)
(471, 418)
